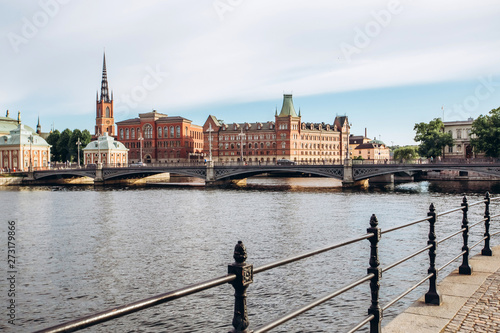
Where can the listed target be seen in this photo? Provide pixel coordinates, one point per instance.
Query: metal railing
(240, 275)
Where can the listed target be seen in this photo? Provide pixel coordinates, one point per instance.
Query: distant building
(104, 121)
(287, 137)
(373, 150)
(164, 139)
(22, 148)
(460, 131)
(113, 153)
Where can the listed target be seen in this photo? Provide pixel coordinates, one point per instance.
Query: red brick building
(287, 137)
(163, 138)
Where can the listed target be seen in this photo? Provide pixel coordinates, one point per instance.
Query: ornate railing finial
(240, 253)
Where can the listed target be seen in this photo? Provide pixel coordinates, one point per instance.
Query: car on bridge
(138, 164)
(284, 161)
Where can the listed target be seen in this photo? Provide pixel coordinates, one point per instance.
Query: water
(81, 250)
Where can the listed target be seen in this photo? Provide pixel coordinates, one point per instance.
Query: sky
(385, 64)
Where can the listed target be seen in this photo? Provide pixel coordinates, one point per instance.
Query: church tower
(104, 121)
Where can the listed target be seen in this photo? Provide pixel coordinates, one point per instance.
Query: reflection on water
(84, 249)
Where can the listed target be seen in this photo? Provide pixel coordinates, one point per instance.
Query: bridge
(218, 173)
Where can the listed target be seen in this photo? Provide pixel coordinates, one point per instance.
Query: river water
(82, 249)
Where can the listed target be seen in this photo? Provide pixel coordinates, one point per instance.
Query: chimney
(365, 133)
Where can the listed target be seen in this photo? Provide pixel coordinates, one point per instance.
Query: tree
(432, 138)
(52, 140)
(63, 145)
(486, 134)
(406, 153)
(84, 137)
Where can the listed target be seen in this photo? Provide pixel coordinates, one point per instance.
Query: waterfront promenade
(470, 303)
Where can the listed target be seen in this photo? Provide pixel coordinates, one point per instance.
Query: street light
(31, 141)
(140, 146)
(78, 143)
(241, 135)
(210, 142)
(99, 164)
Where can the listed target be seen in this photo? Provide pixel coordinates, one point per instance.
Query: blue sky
(385, 64)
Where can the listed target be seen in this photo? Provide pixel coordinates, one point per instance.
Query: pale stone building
(22, 149)
(112, 153)
(460, 131)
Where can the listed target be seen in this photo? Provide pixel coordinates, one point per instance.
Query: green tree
(406, 153)
(432, 138)
(63, 145)
(486, 134)
(52, 140)
(84, 137)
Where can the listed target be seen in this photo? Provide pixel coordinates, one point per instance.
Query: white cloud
(260, 49)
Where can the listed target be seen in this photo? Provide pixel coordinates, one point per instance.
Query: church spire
(104, 82)
(38, 126)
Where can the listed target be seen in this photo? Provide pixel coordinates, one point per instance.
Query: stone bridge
(218, 173)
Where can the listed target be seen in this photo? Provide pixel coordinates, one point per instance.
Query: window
(126, 134)
(459, 133)
(159, 132)
(133, 133)
(107, 112)
(148, 131)
(171, 131)
(178, 131)
(121, 133)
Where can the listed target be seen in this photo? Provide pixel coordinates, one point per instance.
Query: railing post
(375, 309)
(244, 276)
(432, 296)
(486, 251)
(465, 267)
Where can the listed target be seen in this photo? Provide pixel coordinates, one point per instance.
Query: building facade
(287, 137)
(104, 121)
(373, 150)
(154, 137)
(107, 151)
(22, 149)
(461, 132)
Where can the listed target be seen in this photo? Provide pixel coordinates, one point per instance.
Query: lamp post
(31, 164)
(140, 146)
(241, 135)
(78, 144)
(99, 164)
(210, 142)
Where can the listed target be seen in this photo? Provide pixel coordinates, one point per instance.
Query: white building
(21, 149)
(113, 153)
(460, 131)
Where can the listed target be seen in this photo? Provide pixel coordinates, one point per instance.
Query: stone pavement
(470, 303)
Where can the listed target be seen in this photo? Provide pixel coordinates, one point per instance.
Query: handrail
(406, 258)
(307, 254)
(295, 313)
(120, 311)
(452, 260)
(446, 212)
(241, 275)
(405, 225)
(391, 303)
(362, 323)
(451, 235)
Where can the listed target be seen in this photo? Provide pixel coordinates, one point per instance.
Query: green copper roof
(8, 124)
(22, 136)
(287, 109)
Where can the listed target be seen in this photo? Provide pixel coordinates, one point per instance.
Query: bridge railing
(240, 274)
